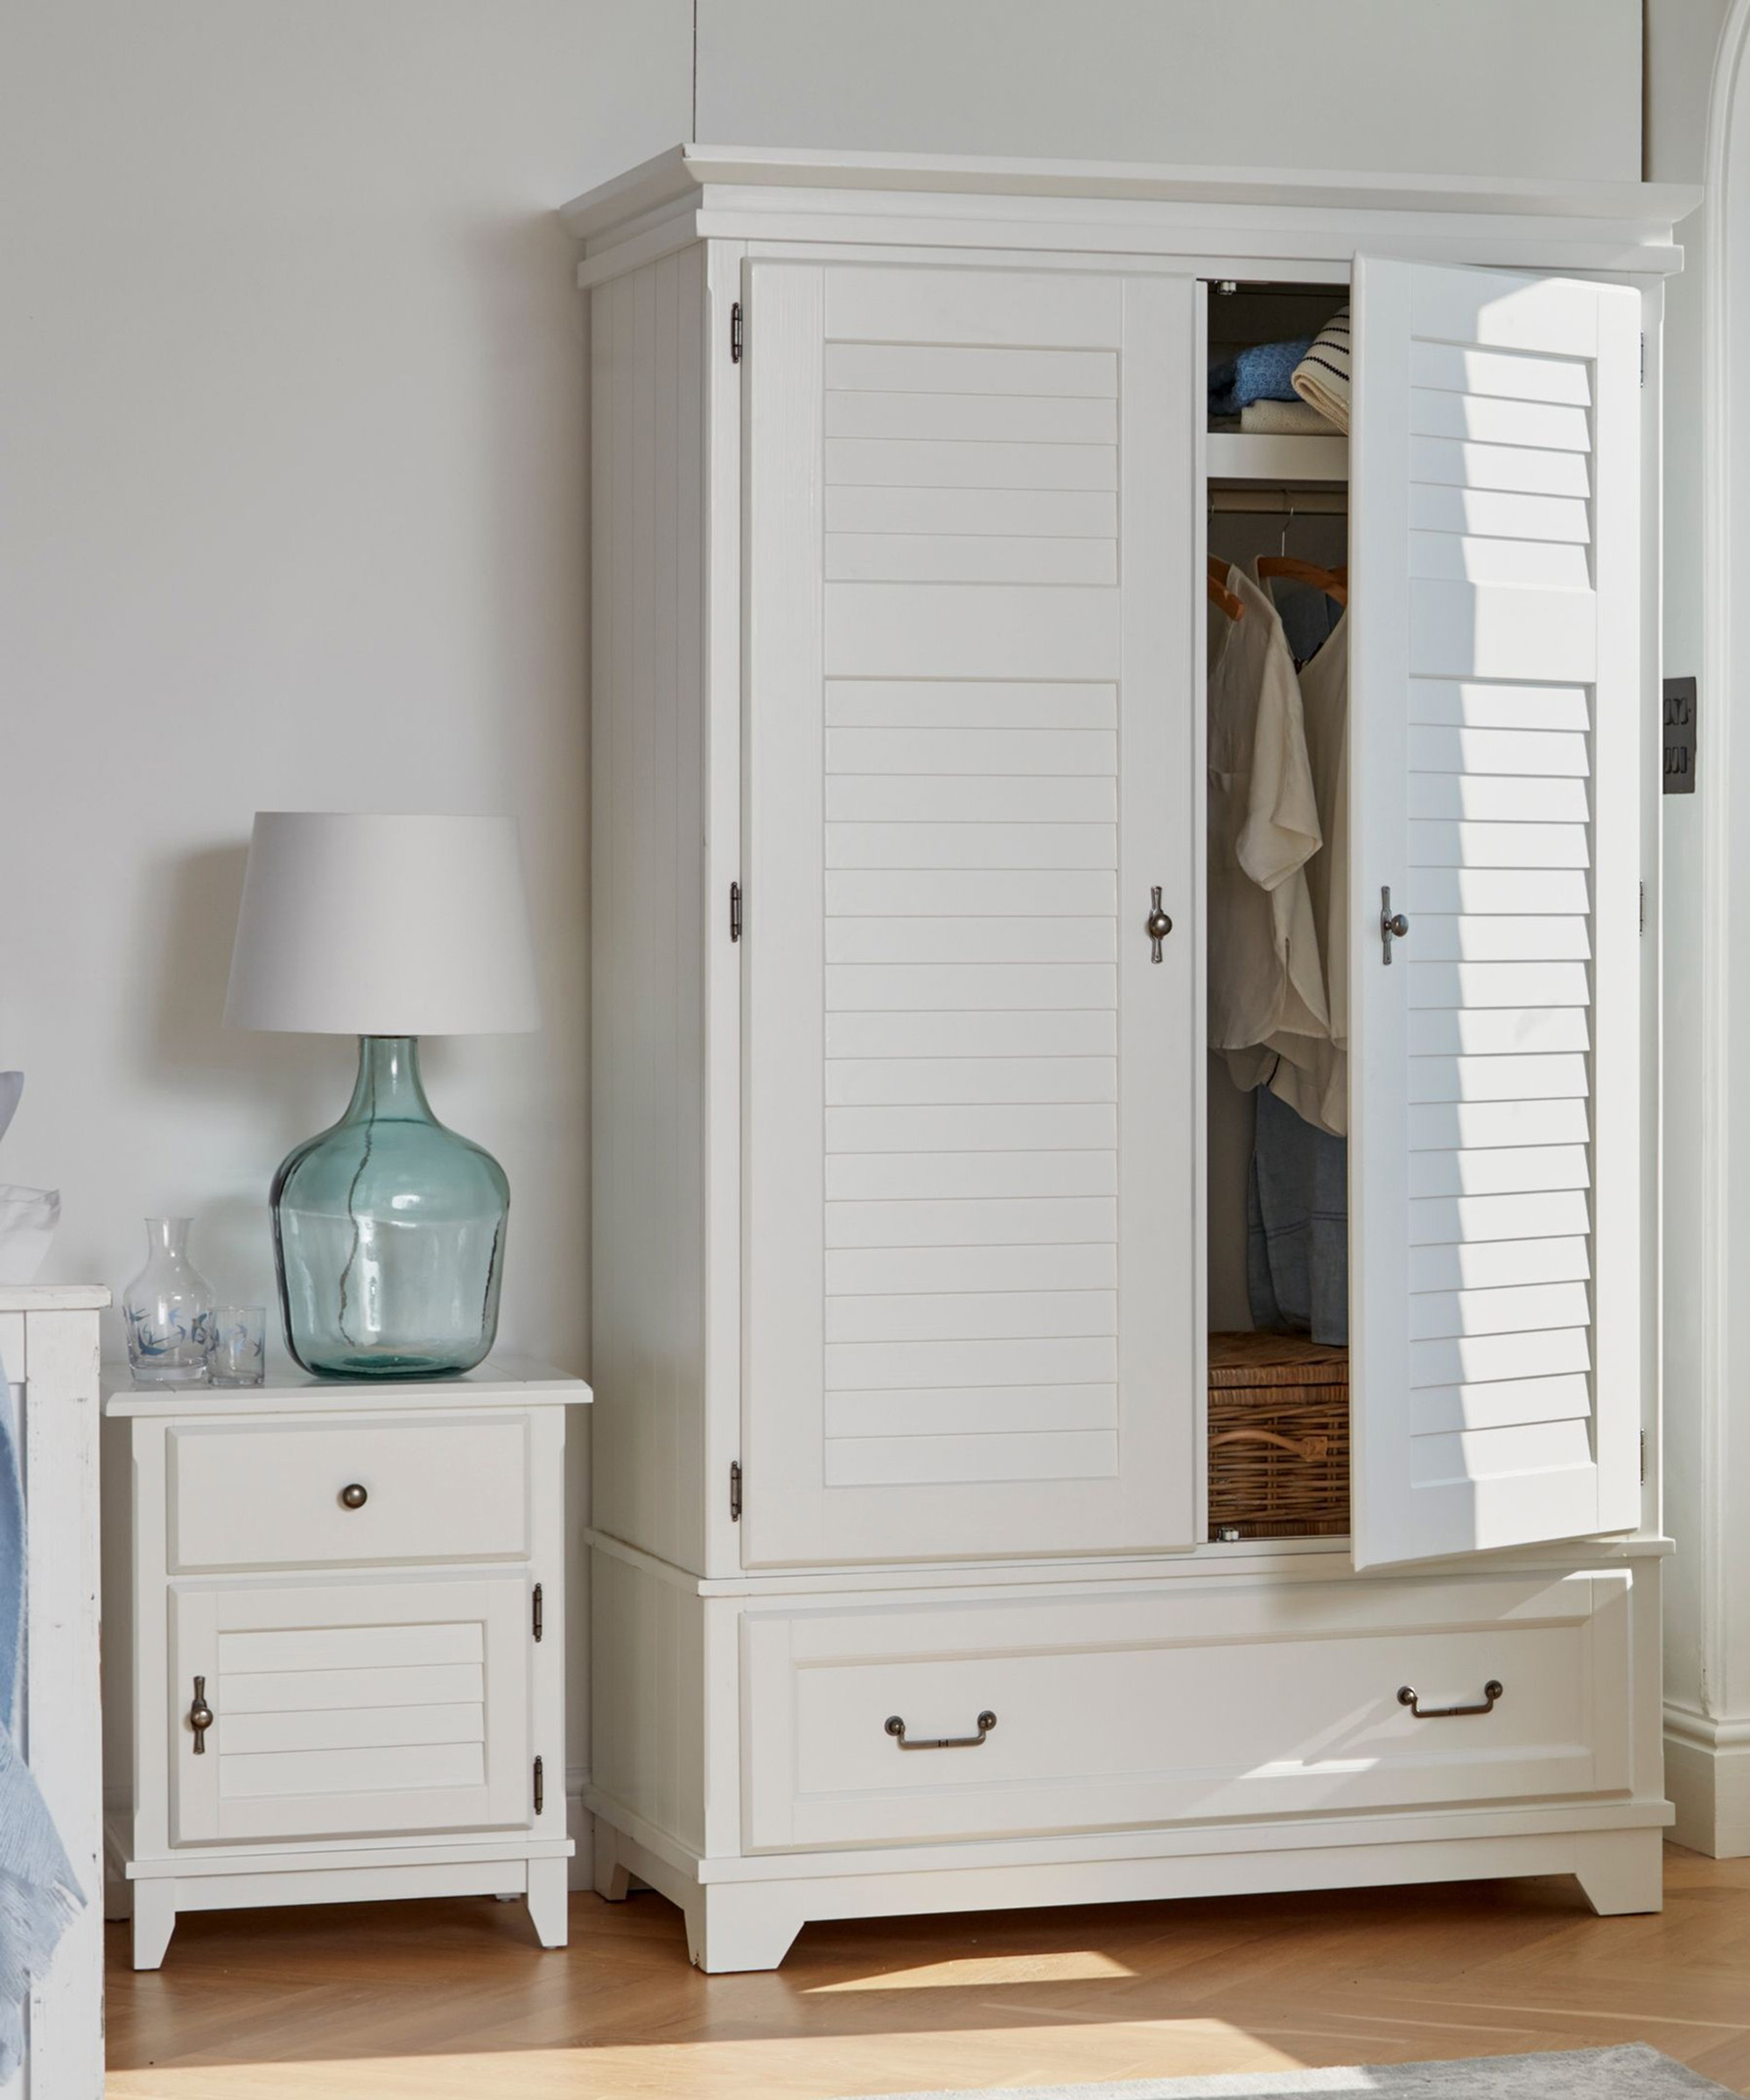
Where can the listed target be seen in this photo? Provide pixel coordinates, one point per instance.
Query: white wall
(292, 516)
(291, 469)
(1447, 87)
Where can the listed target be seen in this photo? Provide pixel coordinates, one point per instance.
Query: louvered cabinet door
(379, 1706)
(1494, 767)
(972, 1275)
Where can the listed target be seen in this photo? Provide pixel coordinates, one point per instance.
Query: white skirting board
(1707, 1775)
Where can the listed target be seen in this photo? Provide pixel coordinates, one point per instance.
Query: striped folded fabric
(1285, 419)
(1321, 378)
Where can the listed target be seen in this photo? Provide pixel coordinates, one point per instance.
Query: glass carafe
(168, 1308)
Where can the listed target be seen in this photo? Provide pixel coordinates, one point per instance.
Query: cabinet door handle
(896, 1728)
(1406, 1697)
(1157, 925)
(1393, 925)
(354, 1496)
(200, 1716)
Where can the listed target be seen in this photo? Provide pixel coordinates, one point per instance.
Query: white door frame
(1706, 1235)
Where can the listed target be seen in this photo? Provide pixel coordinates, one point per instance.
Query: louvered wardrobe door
(973, 645)
(1496, 1119)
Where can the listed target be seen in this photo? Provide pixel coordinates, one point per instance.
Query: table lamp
(389, 1229)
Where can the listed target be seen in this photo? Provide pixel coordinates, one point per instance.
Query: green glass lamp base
(388, 1233)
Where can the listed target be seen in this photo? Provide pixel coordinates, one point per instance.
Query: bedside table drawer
(269, 1495)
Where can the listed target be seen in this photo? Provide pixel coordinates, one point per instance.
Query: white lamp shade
(382, 926)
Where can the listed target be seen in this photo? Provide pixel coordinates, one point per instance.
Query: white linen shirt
(1313, 1075)
(1265, 980)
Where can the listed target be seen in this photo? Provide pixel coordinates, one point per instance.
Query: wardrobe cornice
(1234, 216)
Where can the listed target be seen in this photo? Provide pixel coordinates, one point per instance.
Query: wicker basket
(1278, 1437)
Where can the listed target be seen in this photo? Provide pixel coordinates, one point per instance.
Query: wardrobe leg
(1622, 1871)
(547, 1901)
(154, 1921)
(612, 1881)
(744, 1925)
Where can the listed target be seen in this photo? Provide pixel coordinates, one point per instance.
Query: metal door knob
(355, 1497)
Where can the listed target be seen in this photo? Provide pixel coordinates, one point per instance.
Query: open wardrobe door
(1495, 1122)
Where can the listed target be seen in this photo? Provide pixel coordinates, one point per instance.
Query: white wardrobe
(903, 1598)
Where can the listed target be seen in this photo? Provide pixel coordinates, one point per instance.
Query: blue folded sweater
(1261, 373)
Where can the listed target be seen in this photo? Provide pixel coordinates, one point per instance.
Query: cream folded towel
(1286, 419)
(1322, 376)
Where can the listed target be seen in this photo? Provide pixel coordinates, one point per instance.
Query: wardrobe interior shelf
(1253, 455)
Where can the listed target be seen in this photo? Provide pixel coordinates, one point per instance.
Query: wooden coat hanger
(1335, 583)
(1218, 593)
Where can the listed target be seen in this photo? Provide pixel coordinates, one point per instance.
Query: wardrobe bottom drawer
(1182, 1703)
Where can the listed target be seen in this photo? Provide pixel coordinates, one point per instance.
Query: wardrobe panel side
(648, 1700)
(648, 931)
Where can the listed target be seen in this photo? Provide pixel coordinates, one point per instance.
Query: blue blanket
(1261, 373)
(38, 1894)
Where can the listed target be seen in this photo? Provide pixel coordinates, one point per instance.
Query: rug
(1628, 2074)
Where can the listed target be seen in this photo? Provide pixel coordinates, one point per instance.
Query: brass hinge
(1643, 1457)
(735, 1491)
(735, 910)
(535, 1626)
(540, 1786)
(735, 333)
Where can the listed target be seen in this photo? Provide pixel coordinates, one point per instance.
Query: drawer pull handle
(896, 1728)
(200, 1716)
(1406, 1697)
(355, 1497)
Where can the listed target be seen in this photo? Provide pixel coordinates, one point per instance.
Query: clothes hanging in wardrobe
(1313, 1074)
(1265, 979)
(1298, 1233)
(1308, 609)
(1298, 1226)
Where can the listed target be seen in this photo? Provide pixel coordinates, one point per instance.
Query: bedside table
(333, 1644)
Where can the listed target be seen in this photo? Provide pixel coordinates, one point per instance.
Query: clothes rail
(1282, 502)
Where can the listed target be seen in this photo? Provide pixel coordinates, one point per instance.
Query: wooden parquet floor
(439, 2000)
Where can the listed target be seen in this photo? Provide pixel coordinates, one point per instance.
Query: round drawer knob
(355, 1496)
